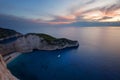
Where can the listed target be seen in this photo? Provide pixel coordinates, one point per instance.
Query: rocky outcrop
(4, 72)
(27, 43)
(35, 41)
(8, 33)
(31, 41)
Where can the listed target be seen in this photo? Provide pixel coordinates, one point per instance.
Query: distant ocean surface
(97, 57)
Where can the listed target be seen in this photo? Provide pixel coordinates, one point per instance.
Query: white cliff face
(4, 72)
(34, 41)
(30, 42)
(22, 45)
(27, 43)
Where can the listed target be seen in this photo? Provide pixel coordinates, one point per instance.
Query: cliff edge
(31, 41)
(12, 41)
(4, 72)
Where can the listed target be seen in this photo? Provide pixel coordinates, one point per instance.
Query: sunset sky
(61, 11)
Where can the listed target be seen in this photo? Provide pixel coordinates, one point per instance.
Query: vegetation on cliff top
(52, 40)
(7, 32)
(44, 36)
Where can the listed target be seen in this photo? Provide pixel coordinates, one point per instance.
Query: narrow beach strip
(11, 57)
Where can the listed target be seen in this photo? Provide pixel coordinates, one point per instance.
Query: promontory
(15, 42)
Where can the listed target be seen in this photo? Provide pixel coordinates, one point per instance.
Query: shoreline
(11, 57)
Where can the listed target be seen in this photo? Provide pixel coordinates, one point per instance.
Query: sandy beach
(11, 57)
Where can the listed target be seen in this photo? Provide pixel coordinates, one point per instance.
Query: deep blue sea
(97, 57)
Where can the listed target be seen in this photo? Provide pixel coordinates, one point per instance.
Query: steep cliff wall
(29, 42)
(4, 72)
(12, 41)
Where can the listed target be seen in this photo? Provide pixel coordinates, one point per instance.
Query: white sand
(11, 57)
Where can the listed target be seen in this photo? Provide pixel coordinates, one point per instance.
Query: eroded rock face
(4, 72)
(12, 41)
(28, 43)
(34, 41)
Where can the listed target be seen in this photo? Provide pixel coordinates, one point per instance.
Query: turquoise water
(97, 57)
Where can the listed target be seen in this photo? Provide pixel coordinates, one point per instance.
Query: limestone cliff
(4, 72)
(42, 42)
(31, 41)
(12, 41)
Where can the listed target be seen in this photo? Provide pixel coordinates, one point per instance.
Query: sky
(60, 12)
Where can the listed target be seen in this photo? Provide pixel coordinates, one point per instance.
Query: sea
(96, 58)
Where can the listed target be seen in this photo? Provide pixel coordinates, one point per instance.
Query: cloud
(75, 11)
(62, 19)
(91, 10)
(13, 22)
(83, 13)
(91, 1)
(103, 18)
